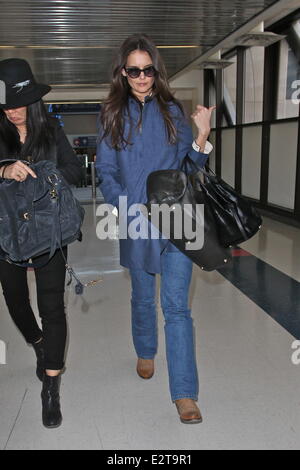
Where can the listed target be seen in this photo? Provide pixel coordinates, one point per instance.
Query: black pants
(50, 284)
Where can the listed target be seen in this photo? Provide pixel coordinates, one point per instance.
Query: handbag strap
(10, 161)
(188, 161)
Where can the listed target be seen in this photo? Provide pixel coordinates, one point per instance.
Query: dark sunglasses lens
(149, 71)
(135, 72)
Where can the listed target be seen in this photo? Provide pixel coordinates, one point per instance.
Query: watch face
(196, 147)
(207, 149)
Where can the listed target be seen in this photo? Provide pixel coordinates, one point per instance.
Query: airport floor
(246, 320)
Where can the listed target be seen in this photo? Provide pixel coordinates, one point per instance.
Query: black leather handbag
(179, 190)
(236, 218)
(229, 218)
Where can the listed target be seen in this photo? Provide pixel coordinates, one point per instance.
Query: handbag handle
(10, 161)
(188, 161)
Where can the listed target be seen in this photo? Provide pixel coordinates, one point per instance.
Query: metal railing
(93, 177)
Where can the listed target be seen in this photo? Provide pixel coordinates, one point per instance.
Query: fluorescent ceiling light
(258, 37)
(263, 39)
(215, 64)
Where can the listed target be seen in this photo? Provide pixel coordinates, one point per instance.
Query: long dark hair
(40, 132)
(116, 105)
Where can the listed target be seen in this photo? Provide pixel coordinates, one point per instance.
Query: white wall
(282, 166)
(76, 94)
(282, 162)
(251, 161)
(189, 86)
(228, 156)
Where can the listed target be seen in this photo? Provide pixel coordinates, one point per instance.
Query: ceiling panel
(74, 42)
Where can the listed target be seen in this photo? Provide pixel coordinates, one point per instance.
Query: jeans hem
(145, 357)
(180, 397)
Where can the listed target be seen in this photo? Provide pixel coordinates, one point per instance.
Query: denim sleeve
(108, 172)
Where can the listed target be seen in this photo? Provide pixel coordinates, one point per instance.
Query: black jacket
(61, 152)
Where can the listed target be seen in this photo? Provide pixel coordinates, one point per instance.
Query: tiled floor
(85, 194)
(249, 387)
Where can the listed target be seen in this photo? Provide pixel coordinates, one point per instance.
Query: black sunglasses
(135, 72)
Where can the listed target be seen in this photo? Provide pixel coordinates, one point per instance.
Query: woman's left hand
(18, 171)
(201, 117)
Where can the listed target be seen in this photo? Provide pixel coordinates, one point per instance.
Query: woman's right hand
(18, 171)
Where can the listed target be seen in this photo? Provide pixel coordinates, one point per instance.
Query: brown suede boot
(145, 368)
(188, 411)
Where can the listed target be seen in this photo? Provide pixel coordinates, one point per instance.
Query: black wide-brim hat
(17, 84)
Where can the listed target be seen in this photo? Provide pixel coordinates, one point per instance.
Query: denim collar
(133, 99)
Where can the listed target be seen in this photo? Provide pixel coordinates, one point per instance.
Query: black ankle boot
(52, 417)
(40, 356)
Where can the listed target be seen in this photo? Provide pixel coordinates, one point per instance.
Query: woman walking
(143, 129)
(26, 130)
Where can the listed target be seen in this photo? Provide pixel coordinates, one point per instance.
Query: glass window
(230, 90)
(289, 77)
(254, 84)
(212, 97)
(228, 107)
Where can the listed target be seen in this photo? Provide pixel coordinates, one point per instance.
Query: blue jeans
(176, 273)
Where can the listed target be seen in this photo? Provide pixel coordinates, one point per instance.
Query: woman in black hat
(27, 130)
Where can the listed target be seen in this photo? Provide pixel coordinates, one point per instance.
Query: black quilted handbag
(180, 191)
(38, 216)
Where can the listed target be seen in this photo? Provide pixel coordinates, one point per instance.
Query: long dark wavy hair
(115, 106)
(40, 132)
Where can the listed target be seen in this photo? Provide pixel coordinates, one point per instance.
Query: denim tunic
(125, 172)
